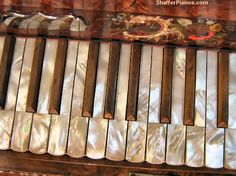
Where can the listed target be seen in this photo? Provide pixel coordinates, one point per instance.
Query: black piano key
(90, 81)
(223, 89)
(5, 67)
(112, 77)
(35, 75)
(58, 77)
(190, 80)
(133, 87)
(166, 93)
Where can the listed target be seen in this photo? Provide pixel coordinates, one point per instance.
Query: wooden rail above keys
(159, 29)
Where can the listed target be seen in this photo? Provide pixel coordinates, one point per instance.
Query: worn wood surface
(65, 165)
(223, 89)
(112, 78)
(35, 75)
(5, 67)
(133, 86)
(190, 81)
(90, 81)
(58, 77)
(166, 93)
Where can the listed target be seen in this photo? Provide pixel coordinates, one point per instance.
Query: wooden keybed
(97, 14)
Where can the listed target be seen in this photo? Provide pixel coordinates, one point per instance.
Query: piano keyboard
(118, 101)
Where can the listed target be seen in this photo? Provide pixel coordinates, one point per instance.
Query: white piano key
(230, 149)
(200, 90)
(38, 139)
(211, 116)
(116, 140)
(58, 134)
(122, 83)
(77, 136)
(60, 123)
(156, 143)
(196, 133)
(39, 133)
(155, 87)
(78, 125)
(195, 146)
(178, 86)
(21, 131)
(69, 76)
(214, 136)
(136, 141)
(102, 70)
(117, 131)
(175, 151)
(135, 149)
(2, 41)
(7, 116)
(214, 157)
(96, 140)
(25, 75)
(6, 121)
(80, 75)
(47, 76)
(232, 91)
(144, 83)
(39, 123)
(15, 74)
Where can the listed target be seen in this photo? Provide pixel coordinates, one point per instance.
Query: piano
(105, 87)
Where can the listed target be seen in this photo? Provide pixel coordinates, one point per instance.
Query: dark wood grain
(90, 80)
(66, 165)
(190, 81)
(133, 86)
(223, 89)
(112, 77)
(111, 25)
(58, 77)
(166, 88)
(35, 75)
(5, 67)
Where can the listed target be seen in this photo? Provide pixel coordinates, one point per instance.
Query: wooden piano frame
(100, 13)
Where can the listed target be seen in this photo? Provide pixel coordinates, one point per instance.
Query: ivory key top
(57, 84)
(223, 89)
(35, 76)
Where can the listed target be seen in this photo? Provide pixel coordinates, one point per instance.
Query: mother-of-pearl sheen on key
(143, 140)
